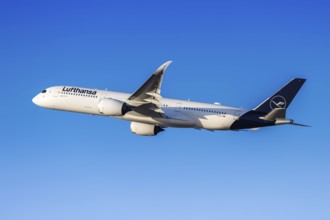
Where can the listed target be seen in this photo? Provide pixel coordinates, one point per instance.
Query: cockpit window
(44, 91)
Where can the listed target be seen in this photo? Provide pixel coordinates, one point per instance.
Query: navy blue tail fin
(283, 97)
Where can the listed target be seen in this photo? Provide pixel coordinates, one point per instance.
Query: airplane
(150, 113)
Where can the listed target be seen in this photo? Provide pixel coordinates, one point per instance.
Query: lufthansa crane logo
(277, 102)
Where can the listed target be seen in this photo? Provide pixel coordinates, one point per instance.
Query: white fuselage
(179, 113)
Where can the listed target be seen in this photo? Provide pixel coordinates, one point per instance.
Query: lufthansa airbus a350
(150, 113)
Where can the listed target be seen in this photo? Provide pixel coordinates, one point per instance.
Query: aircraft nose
(35, 100)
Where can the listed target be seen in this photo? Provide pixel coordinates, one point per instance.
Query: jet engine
(112, 107)
(145, 129)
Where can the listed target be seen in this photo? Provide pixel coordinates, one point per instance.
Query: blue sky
(58, 165)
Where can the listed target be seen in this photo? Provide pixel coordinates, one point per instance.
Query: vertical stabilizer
(282, 98)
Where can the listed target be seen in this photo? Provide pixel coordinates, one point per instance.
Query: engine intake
(145, 129)
(113, 107)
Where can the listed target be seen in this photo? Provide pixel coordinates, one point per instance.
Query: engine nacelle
(145, 129)
(112, 107)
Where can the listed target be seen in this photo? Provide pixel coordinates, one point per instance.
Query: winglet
(163, 67)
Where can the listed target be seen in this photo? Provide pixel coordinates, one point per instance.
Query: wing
(147, 99)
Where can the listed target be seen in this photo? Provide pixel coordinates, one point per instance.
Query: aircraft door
(178, 107)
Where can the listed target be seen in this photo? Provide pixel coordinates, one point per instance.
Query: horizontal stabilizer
(283, 121)
(297, 124)
(289, 122)
(275, 114)
(254, 129)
